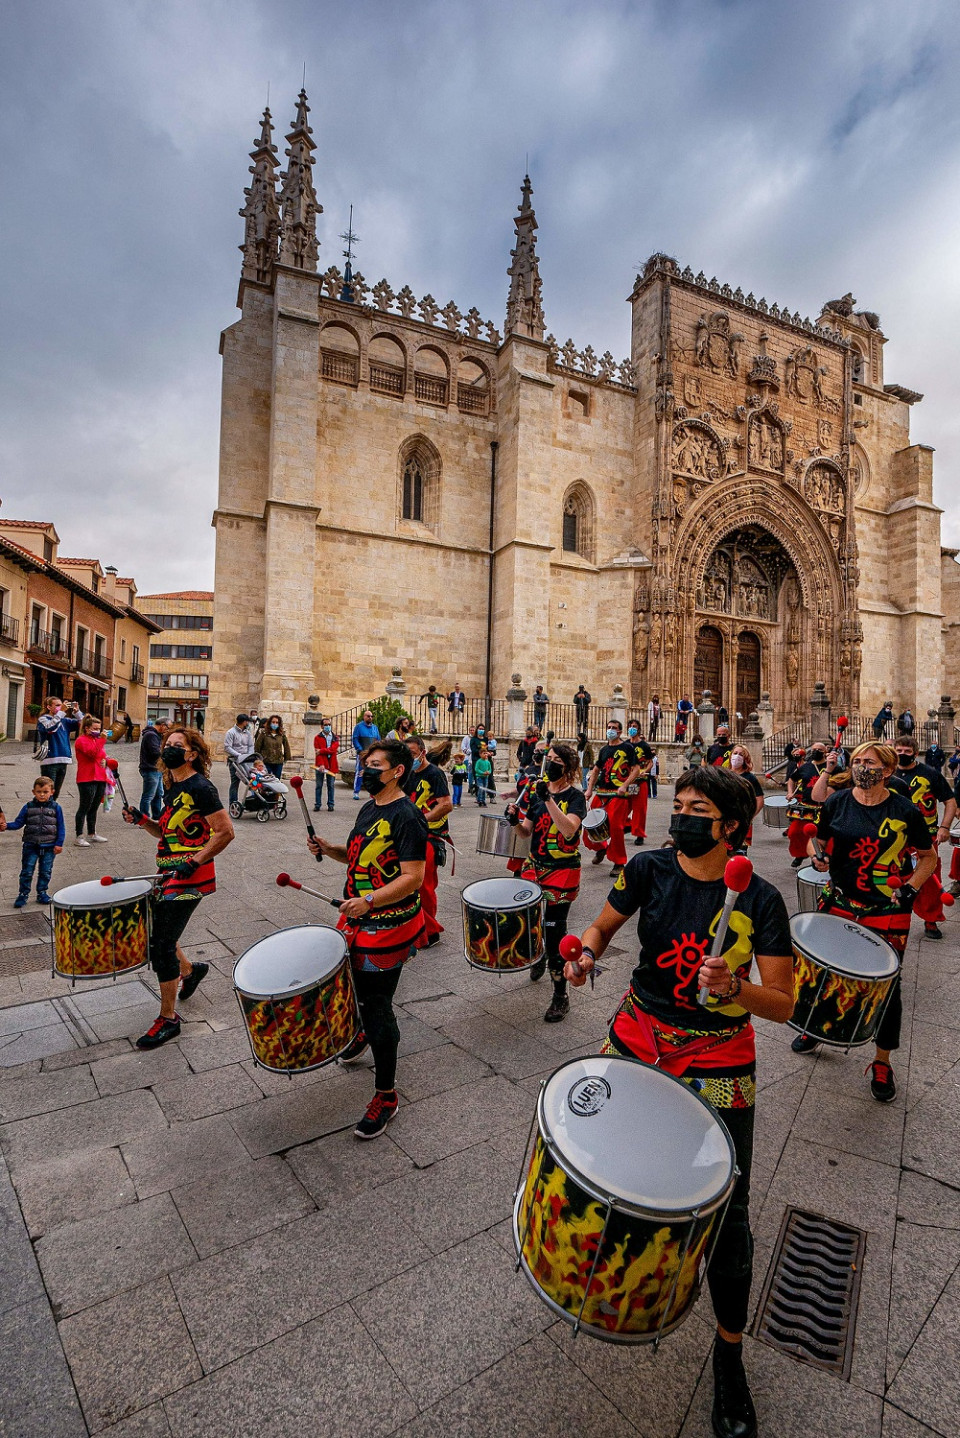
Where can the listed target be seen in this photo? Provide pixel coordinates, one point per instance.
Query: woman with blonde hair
(868, 831)
(193, 827)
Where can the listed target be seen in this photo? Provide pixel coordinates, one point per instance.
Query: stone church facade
(737, 507)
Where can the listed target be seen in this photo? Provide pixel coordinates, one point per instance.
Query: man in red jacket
(326, 764)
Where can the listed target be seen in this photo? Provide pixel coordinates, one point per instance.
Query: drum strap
(634, 1029)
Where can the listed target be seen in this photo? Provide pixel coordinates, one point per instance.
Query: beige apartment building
(178, 672)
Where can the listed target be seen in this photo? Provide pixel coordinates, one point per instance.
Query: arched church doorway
(708, 661)
(748, 672)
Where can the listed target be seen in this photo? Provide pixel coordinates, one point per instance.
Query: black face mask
(692, 834)
(904, 761)
(373, 781)
(554, 771)
(173, 756)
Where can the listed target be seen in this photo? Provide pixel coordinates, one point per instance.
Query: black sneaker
(355, 1050)
(882, 1083)
(638, 842)
(380, 1110)
(733, 1413)
(161, 1031)
(799, 863)
(932, 931)
(599, 857)
(195, 977)
(559, 1008)
(433, 939)
(805, 1044)
(538, 970)
(615, 872)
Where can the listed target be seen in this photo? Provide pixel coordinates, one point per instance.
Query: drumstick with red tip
(736, 876)
(296, 783)
(285, 882)
(114, 767)
(108, 879)
(842, 722)
(810, 832)
(570, 950)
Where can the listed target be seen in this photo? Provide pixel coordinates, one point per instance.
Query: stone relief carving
(697, 451)
(805, 375)
(823, 488)
(824, 433)
(718, 347)
(692, 391)
(765, 447)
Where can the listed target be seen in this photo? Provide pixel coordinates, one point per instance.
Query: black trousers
(555, 927)
(888, 1030)
(375, 993)
(731, 1269)
(169, 919)
(91, 797)
(56, 773)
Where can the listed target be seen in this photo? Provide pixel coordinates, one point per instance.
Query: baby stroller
(259, 794)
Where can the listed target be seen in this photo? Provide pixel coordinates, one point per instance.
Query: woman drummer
(381, 915)
(679, 893)
(193, 827)
(551, 811)
(868, 831)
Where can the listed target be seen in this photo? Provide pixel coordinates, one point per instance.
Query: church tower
(524, 307)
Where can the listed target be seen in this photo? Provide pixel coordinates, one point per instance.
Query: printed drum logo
(588, 1096)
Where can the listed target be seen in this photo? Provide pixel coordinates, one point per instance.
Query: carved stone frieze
(805, 375)
(717, 345)
(698, 451)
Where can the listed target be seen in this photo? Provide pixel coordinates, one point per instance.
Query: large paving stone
(326, 1377)
(456, 1197)
(508, 1050)
(75, 1186)
(338, 1166)
(147, 1423)
(36, 1043)
(858, 1126)
(898, 1425)
(927, 1386)
(37, 1397)
(168, 1158)
(200, 1095)
(139, 1069)
(926, 1202)
(44, 1093)
(922, 1266)
(527, 1392)
(99, 1124)
(95, 1258)
(19, 1277)
(128, 1353)
(247, 1296)
(212, 1051)
(90, 1054)
(238, 1204)
(442, 1323)
(445, 1123)
(931, 1139)
(21, 1018)
(298, 1114)
(436, 1069)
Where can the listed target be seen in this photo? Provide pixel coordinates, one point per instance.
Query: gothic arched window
(578, 521)
(418, 498)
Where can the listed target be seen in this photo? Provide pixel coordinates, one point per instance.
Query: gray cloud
(796, 150)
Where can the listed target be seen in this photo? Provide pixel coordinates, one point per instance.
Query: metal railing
(92, 662)
(136, 673)
(9, 628)
(50, 643)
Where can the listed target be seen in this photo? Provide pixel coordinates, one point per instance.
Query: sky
(799, 151)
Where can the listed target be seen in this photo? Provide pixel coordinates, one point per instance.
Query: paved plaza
(192, 1246)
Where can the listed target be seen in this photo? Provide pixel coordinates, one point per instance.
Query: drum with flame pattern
(101, 931)
(843, 976)
(297, 998)
(503, 924)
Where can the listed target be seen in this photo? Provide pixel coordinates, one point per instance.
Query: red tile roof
(87, 563)
(26, 524)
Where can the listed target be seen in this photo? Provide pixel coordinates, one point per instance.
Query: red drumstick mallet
(810, 832)
(285, 882)
(736, 876)
(114, 768)
(296, 784)
(842, 722)
(570, 949)
(126, 878)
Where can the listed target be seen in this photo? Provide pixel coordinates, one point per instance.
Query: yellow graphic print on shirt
(423, 796)
(923, 800)
(739, 953)
(185, 829)
(369, 851)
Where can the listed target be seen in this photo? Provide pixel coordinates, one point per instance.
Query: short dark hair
(395, 750)
(243, 719)
(907, 739)
(416, 740)
(614, 724)
(732, 795)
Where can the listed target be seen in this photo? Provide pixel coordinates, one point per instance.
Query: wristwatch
(368, 897)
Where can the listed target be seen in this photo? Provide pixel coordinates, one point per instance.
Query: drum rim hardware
(290, 993)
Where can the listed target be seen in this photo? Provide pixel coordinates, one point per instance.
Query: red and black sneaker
(380, 1110)
(161, 1031)
(882, 1083)
(193, 980)
(355, 1049)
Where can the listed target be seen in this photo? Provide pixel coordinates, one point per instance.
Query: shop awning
(89, 679)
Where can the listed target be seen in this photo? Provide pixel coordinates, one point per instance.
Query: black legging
(56, 773)
(555, 927)
(169, 918)
(91, 797)
(375, 993)
(731, 1269)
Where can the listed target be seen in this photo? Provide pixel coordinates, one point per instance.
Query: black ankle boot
(733, 1412)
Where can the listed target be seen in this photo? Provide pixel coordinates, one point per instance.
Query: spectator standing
(362, 737)
(404, 729)
(684, 710)
(540, 702)
(44, 832)
(151, 793)
(466, 750)
(906, 723)
(483, 775)
(883, 718)
(478, 741)
(585, 756)
(238, 746)
(456, 699)
(326, 764)
(953, 763)
(433, 708)
(91, 779)
(54, 728)
(654, 775)
(693, 754)
(935, 757)
(459, 774)
(273, 746)
(653, 716)
(581, 704)
(526, 747)
(254, 722)
(128, 737)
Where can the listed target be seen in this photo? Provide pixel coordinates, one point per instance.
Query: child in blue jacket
(43, 834)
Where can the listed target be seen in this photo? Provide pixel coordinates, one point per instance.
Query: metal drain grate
(14, 928)
(808, 1307)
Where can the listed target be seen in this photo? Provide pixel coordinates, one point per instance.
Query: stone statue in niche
(716, 583)
(793, 668)
(765, 443)
(823, 488)
(824, 433)
(718, 347)
(697, 452)
(656, 634)
(805, 376)
(692, 392)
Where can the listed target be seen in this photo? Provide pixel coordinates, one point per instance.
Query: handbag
(41, 749)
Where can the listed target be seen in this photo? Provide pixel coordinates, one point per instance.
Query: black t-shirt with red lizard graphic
(678, 918)
(869, 843)
(614, 763)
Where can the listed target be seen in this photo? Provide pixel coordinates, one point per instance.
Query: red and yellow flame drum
(503, 924)
(95, 936)
(843, 975)
(297, 998)
(624, 1194)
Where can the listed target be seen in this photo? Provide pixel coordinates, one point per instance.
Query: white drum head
(636, 1133)
(289, 959)
(594, 819)
(812, 876)
(844, 947)
(775, 801)
(94, 895)
(502, 895)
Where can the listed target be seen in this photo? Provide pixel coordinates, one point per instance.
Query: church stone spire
(261, 234)
(298, 198)
(524, 309)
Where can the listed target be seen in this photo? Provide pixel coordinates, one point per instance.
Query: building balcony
(430, 389)
(136, 674)
(98, 666)
(9, 629)
(386, 378)
(51, 646)
(341, 368)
